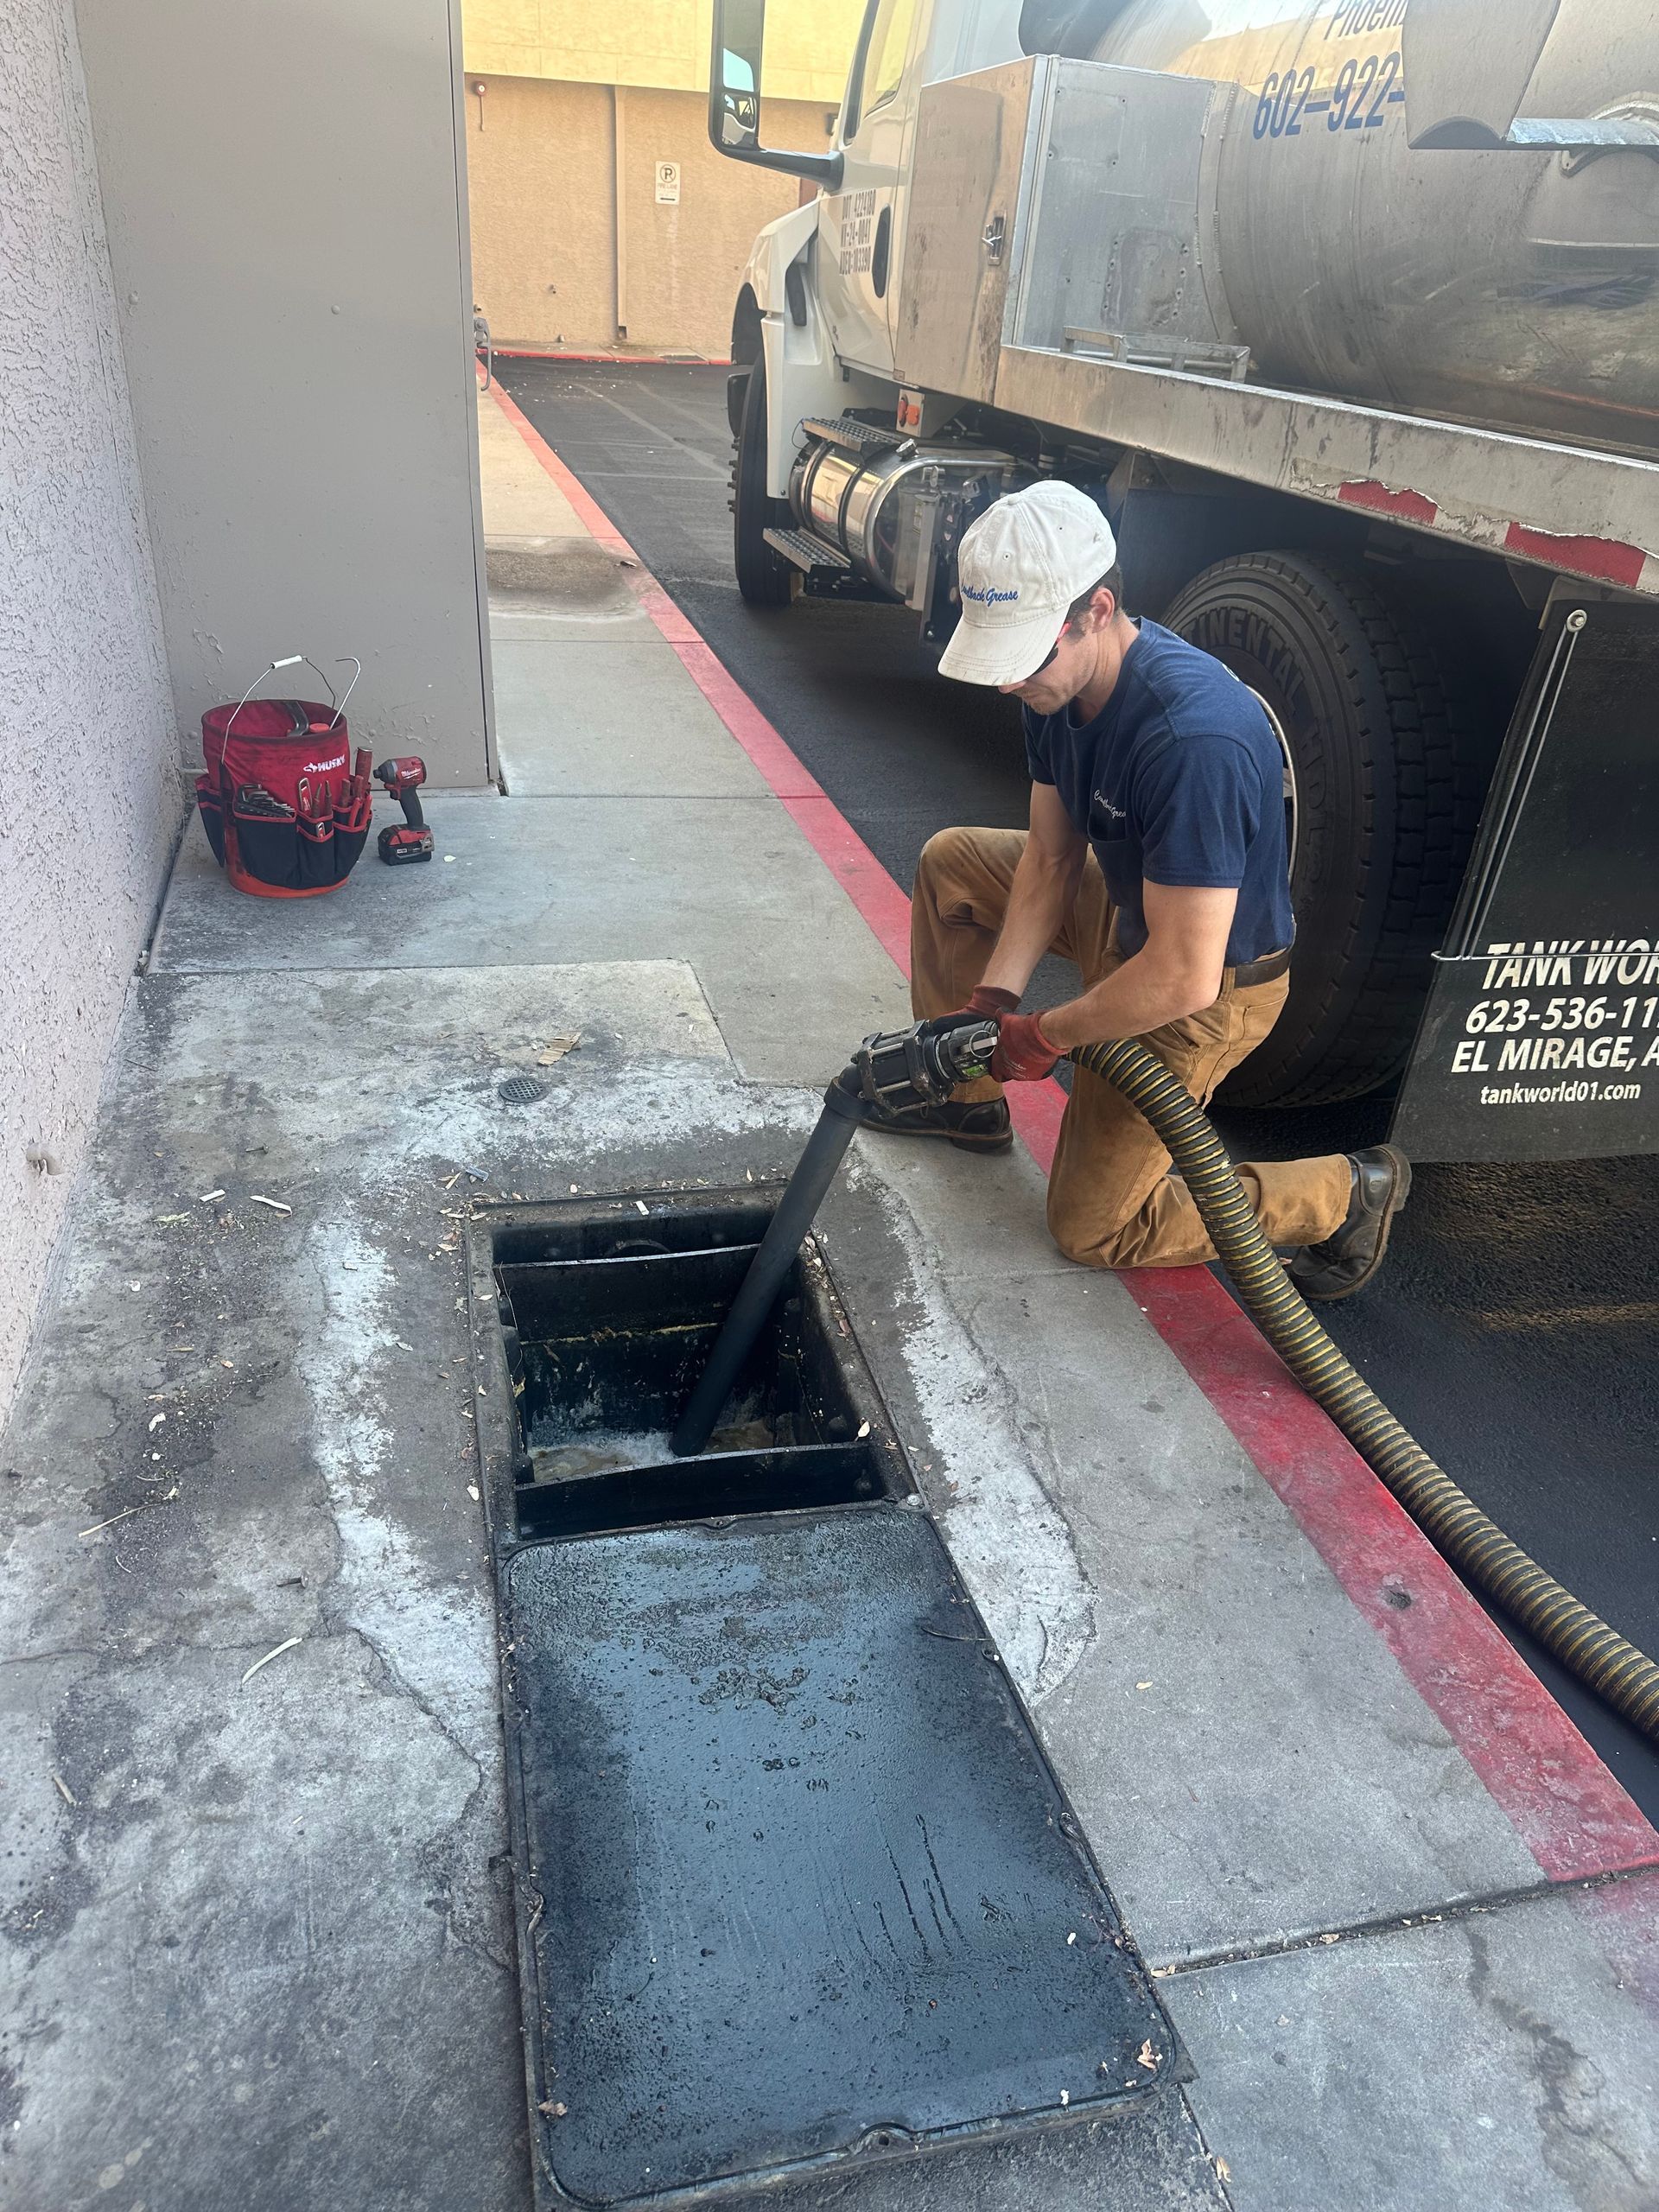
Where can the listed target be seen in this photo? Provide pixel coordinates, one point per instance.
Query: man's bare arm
(1177, 972)
(1045, 884)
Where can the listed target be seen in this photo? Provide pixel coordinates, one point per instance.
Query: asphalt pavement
(1515, 1330)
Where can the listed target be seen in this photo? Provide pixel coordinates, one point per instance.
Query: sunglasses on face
(1049, 658)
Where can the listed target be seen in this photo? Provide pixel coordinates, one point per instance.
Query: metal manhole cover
(521, 1090)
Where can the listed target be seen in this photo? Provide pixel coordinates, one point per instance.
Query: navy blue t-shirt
(1178, 778)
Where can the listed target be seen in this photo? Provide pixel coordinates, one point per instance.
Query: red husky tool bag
(284, 813)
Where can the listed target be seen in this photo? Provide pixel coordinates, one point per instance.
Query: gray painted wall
(90, 794)
(283, 185)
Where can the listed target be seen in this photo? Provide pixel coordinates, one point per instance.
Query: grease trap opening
(607, 1318)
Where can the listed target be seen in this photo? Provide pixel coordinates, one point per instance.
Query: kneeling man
(1156, 860)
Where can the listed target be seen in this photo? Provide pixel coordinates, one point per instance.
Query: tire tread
(1379, 656)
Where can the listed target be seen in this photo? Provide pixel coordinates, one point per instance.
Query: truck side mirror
(739, 28)
(734, 74)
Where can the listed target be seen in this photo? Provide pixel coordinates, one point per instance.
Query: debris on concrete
(277, 1653)
(98, 1528)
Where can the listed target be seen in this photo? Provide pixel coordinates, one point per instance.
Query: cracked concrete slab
(239, 1956)
(1504, 2057)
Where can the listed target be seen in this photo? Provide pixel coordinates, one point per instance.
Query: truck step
(806, 551)
(851, 435)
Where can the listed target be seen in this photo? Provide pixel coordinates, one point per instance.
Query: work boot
(1346, 1262)
(982, 1127)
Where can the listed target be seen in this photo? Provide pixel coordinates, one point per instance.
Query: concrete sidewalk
(258, 1923)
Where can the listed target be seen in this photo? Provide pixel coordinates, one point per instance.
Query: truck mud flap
(1540, 1039)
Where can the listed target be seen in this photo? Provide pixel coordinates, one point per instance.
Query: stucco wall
(90, 794)
(542, 160)
(284, 185)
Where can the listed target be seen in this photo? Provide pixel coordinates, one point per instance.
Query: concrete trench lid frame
(796, 1889)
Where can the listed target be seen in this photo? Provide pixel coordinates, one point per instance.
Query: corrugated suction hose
(1624, 1677)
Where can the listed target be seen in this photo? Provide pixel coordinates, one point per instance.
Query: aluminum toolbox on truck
(1045, 190)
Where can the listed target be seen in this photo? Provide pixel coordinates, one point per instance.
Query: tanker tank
(1514, 288)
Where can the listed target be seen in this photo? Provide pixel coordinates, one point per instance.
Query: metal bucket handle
(297, 660)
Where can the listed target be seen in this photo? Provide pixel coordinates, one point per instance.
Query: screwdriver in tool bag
(315, 821)
(357, 806)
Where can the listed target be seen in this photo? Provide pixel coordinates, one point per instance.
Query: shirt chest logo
(1100, 808)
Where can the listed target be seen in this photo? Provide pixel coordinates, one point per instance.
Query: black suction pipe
(825, 1150)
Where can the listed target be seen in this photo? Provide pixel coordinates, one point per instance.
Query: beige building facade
(602, 219)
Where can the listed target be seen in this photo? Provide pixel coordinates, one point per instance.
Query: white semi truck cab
(1347, 313)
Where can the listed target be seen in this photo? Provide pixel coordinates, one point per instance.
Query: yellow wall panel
(512, 22)
(491, 57)
(658, 43)
(542, 165)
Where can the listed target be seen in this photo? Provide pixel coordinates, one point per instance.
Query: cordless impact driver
(411, 840)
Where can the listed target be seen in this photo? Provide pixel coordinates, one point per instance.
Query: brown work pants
(1112, 1202)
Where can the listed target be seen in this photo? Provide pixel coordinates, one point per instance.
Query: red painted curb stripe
(1566, 1807)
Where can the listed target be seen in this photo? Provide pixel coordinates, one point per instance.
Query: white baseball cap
(1019, 567)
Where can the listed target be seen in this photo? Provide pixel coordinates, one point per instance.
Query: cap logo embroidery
(991, 596)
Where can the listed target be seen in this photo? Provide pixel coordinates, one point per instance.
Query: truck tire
(764, 577)
(1383, 778)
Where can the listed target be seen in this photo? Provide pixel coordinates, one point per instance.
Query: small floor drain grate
(521, 1090)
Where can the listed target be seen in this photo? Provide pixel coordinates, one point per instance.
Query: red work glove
(989, 1000)
(1023, 1053)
